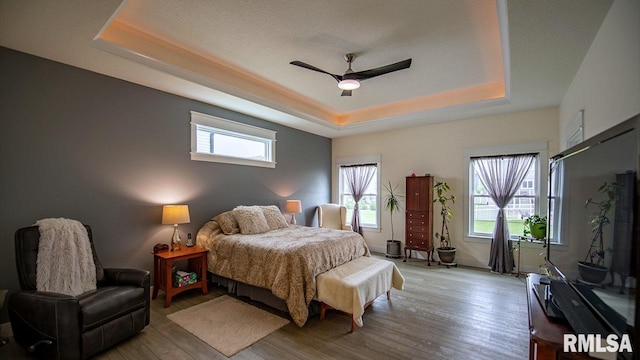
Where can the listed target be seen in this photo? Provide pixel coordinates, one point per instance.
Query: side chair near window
(333, 216)
(55, 325)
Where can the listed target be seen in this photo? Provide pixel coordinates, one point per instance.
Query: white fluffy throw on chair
(65, 261)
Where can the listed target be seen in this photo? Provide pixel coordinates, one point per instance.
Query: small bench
(352, 287)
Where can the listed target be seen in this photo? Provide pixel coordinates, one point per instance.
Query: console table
(545, 336)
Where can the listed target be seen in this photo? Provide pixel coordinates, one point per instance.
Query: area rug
(227, 324)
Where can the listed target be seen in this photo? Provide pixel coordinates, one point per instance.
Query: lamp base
(175, 240)
(293, 219)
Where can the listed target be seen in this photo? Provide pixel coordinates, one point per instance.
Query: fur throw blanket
(65, 260)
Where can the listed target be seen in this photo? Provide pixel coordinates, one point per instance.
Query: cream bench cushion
(350, 287)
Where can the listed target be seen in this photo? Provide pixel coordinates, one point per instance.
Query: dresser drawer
(415, 243)
(417, 222)
(417, 215)
(417, 229)
(418, 236)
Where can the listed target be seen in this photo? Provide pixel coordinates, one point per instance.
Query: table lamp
(175, 214)
(293, 207)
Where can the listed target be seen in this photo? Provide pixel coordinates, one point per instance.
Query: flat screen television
(579, 179)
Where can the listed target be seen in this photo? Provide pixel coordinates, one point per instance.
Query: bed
(282, 258)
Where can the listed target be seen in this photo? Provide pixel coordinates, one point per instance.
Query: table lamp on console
(175, 214)
(293, 207)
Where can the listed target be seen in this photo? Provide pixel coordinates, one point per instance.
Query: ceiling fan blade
(368, 74)
(346, 93)
(311, 67)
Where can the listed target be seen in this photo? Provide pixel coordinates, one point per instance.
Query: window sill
(523, 244)
(231, 160)
(370, 229)
(530, 244)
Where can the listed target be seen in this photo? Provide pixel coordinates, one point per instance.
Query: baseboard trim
(474, 263)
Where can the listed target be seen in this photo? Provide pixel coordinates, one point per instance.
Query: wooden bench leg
(324, 307)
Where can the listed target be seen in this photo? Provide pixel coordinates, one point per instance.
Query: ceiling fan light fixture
(349, 84)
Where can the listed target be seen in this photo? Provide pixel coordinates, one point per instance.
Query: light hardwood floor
(455, 313)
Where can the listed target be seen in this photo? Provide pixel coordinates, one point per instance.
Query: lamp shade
(293, 207)
(175, 214)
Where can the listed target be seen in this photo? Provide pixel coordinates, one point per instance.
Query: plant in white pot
(446, 251)
(392, 203)
(592, 269)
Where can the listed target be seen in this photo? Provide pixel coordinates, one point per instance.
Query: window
(219, 140)
(369, 204)
(480, 209)
(556, 188)
(523, 205)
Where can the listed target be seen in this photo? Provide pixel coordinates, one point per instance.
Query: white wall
(607, 85)
(438, 149)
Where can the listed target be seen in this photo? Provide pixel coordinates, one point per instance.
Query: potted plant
(535, 226)
(592, 269)
(392, 203)
(446, 251)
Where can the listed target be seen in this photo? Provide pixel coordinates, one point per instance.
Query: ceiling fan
(351, 79)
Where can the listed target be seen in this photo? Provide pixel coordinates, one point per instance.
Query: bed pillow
(228, 223)
(251, 220)
(274, 217)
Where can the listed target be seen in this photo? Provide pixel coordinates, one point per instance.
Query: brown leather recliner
(75, 327)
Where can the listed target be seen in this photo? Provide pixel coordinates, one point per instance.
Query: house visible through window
(219, 140)
(530, 198)
(369, 203)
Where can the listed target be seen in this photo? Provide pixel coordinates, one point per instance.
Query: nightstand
(162, 271)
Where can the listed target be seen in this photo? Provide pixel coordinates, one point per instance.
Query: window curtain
(502, 177)
(358, 178)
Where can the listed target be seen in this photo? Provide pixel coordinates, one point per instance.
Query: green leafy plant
(599, 220)
(531, 222)
(392, 202)
(442, 189)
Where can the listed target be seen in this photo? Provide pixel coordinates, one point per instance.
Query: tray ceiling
(470, 58)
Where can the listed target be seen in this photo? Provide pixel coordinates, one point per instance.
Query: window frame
(234, 129)
(541, 181)
(367, 159)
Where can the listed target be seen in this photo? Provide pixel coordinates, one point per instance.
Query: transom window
(219, 140)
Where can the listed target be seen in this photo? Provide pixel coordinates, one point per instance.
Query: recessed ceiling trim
(139, 46)
(430, 102)
(421, 117)
(127, 41)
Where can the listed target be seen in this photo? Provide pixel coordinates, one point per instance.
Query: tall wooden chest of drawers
(419, 216)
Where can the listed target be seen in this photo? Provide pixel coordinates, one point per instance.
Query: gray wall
(109, 153)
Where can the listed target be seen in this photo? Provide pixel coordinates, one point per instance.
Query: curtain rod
(357, 165)
(502, 156)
